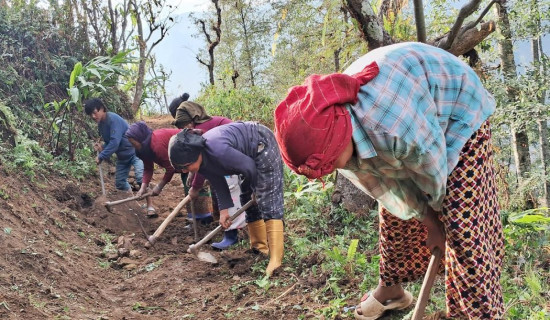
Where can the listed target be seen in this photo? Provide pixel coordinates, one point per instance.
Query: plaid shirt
(410, 124)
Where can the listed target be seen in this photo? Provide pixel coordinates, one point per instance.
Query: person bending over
(243, 148)
(407, 124)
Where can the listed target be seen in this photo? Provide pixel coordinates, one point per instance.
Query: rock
(129, 267)
(123, 252)
(111, 256)
(120, 242)
(124, 261)
(135, 253)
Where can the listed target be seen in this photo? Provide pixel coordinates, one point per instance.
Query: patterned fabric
(410, 124)
(269, 183)
(203, 204)
(474, 253)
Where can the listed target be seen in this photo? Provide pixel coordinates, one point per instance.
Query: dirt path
(58, 262)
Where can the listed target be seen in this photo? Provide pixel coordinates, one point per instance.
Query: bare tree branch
(216, 26)
(464, 12)
(470, 25)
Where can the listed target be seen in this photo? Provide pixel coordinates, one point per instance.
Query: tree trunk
(142, 61)
(419, 20)
(351, 197)
(246, 42)
(520, 141)
(542, 123)
(371, 26)
(544, 156)
(212, 44)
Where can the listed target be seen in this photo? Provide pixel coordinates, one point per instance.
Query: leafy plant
(85, 81)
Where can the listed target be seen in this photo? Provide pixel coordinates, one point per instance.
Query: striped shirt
(410, 124)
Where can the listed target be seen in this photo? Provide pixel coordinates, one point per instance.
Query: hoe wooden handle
(194, 247)
(429, 279)
(168, 219)
(112, 203)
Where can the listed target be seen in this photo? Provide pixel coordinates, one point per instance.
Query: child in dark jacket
(248, 149)
(112, 128)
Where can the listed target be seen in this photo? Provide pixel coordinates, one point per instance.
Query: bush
(239, 104)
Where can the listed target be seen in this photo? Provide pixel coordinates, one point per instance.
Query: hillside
(62, 257)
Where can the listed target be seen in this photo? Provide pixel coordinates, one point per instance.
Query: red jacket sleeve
(159, 146)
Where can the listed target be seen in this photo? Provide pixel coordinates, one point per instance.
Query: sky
(178, 50)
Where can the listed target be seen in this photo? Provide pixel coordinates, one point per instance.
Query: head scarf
(176, 103)
(184, 148)
(140, 132)
(312, 124)
(188, 112)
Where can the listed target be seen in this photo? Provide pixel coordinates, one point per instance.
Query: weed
(5, 305)
(103, 264)
(35, 303)
(109, 246)
(7, 230)
(58, 224)
(263, 283)
(63, 245)
(333, 309)
(152, 266)
(3, 194)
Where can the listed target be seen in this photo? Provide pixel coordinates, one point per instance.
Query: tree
(542, 119)
(212, 41)
(460, 39)
(158, 26)
(242, 53)
(520, 140)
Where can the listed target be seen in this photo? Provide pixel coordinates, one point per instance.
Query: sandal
(151, 213)
(372, 309)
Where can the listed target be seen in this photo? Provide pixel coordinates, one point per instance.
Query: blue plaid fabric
(410, 124)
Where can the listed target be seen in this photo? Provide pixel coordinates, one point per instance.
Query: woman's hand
(190, 178)
(436, 231)
(225, 220)
(98, 147)
(142, 190)
(158, 188)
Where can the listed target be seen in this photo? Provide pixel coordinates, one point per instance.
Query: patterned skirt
(475, 249)
(203, 204)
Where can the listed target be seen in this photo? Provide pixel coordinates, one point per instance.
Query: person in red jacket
(152, 147)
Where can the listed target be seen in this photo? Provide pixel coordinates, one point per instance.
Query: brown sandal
(372, 309)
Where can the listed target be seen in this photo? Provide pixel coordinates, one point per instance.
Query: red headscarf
(312, 124)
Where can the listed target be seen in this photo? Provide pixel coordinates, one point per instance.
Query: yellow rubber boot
(258, 236)
(275, 240)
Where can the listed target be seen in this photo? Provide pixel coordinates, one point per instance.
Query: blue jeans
(123, 170)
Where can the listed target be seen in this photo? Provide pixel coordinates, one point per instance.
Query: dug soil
(65, 256)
